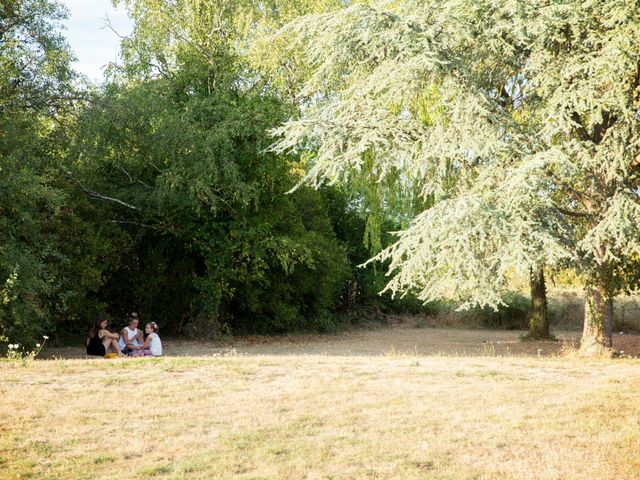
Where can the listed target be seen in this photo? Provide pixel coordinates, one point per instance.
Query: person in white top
(131, 337)
(152, 346)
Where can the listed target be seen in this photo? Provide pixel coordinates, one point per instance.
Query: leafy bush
(512, 316)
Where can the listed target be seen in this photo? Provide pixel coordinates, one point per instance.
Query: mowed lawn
(415, 405)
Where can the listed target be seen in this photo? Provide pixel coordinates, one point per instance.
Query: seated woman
(100, 339)
(152, 346)
(131, 337)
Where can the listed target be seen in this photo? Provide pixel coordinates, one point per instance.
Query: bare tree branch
(126, 173)
(573, 213)
(109, 25)
(98, 196)
(154, 66)
(106, 198)
(131, 222)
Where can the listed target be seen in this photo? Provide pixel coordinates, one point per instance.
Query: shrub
(511, 316)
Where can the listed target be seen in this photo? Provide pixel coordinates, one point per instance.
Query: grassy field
(401, 403)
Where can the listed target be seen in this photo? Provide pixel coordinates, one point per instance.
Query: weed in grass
(40, 447)
(21, 355)
(424, 466)
(488, 350)
(155, 471)
(109, 381)
(104, 459)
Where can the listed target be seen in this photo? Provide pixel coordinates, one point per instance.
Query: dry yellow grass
(296, 409)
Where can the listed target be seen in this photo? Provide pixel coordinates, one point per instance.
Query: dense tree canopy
(176, 147)
(154, 192)
(43, 279)
(535, 107)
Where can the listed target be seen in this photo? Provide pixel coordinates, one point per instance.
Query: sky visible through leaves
(92, 41)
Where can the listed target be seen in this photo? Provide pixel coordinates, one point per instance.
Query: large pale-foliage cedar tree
(533, 105)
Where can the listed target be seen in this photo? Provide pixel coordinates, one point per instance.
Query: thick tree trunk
(539, 320)
(596, 334)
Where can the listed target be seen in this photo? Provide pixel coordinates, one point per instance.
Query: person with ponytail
(152, 345)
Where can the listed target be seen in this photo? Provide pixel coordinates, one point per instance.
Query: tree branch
(573, 213)
(600, 129)
(106, 198)
(98, 196)
(159, 68)
(131, 222)
(126, 173)
(581, 197)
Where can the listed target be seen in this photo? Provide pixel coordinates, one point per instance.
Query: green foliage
(351, 219)
(532, 105)
(157, 193)
(243, 252)
(512, 315)
(34, 59)
(47, 255)
(491, 136)
(179, 161)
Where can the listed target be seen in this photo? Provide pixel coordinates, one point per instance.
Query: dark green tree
(174, 151)
(46, 255)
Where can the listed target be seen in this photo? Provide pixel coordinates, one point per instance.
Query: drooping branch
(131, 222)
(132, 180)
(106, 198)
(573, 213)
(126, 173)
(98, 196)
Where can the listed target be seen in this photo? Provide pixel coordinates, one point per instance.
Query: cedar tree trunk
(539, 320)
(598, 317)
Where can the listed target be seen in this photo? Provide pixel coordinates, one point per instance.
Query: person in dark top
(100, 339)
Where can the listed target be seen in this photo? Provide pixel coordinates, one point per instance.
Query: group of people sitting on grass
(130, 342)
